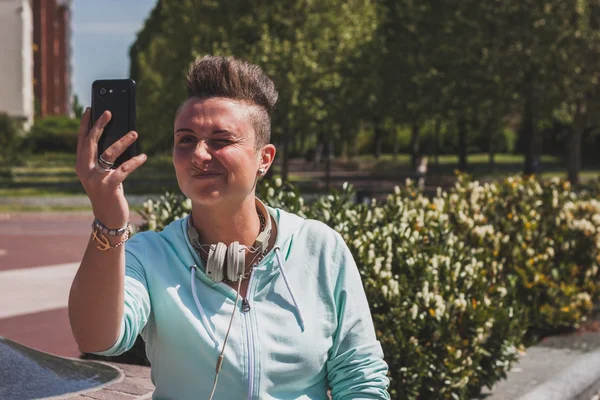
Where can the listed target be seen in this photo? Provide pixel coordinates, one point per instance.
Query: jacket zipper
(250, 340)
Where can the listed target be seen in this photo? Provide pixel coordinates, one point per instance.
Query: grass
(388, 166)
(34, 192)
(9, 208)
(53, 174)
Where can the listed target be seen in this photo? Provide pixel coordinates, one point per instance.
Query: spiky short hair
(229, 77)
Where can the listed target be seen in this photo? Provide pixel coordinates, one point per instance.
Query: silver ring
(104, 163)
(102, 169)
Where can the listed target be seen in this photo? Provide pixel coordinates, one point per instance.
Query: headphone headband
(234, 254)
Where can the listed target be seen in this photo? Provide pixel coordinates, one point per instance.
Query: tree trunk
(491, 127)
(462, 144)
(377, 140)
(532, 138)
(436, 141)
(345, 152)
(285, 164)
(492, 149)
(414, 144)
(328, 164)
(319, 150)
(396, 144)
(574, 157)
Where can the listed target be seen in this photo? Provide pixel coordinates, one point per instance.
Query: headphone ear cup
(240, 260)
(235, 261)
(232, 261)
(216, 258)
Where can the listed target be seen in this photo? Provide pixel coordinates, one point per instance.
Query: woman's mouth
(205, 175)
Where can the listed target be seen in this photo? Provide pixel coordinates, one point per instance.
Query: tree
(304, 48)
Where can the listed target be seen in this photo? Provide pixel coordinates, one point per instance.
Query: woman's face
(214, 151)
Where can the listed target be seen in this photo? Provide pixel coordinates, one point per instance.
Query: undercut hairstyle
(228, 77)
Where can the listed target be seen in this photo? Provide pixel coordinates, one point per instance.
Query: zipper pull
(245, 305)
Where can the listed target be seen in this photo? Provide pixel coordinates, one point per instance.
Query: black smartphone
(117, 96)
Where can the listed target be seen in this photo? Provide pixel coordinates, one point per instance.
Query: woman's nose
(202, 152)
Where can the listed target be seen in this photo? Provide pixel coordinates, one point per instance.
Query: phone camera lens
(102, 92)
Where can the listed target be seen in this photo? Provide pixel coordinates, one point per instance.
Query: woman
(237, 300)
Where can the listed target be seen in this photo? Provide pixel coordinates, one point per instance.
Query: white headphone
(234, 254)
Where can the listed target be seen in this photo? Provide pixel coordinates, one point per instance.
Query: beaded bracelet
(100, 231)
(107, 231)
(99, 237)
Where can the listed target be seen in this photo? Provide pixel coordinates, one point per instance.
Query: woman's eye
(221, 142)
(186, 139)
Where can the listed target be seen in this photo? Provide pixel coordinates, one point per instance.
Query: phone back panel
(117, 96)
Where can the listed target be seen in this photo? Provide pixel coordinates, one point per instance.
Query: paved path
(39, 256)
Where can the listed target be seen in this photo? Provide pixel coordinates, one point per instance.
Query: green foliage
(11, 136)
(303, 47)
(458, 282)
(344, 65)
(78, 108)
(53, 134)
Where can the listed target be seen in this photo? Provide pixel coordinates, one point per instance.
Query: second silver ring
(105, 164)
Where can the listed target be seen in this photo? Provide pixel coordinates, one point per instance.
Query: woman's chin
(206, 199)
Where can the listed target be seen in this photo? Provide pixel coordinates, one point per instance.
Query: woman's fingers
(84, 128)
(117, 176)
(117, 148)
(98, 127)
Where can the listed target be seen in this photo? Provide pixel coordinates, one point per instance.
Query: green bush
(546, 235)
(53, 134)
(457, 282)
(11, 136)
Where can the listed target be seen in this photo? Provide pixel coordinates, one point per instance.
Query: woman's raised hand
(105, 187)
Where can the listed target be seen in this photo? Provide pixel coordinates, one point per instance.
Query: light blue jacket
(306, 327)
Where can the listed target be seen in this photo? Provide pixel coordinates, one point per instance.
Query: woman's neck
(227, 225)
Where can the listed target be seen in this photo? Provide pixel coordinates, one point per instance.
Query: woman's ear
(266, 155)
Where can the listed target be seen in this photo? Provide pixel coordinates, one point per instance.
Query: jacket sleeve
(355, 366)
(137, 308)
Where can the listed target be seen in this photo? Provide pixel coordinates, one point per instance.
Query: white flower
(377, 266)
(384, 290)
(482, 231)
(440, 306)
(394, 287)
(414, 310)
(461, 303)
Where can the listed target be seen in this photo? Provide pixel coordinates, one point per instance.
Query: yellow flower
(474, 303)
(531, 262)
(565, 309)
(432, 312)
(510, 215)
(527, 225)
(530, 285)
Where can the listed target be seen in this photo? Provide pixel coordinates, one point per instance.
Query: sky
(103, 30)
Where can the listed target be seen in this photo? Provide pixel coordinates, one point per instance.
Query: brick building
(51, 56)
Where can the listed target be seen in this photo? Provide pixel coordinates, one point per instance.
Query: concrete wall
(16, 59)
